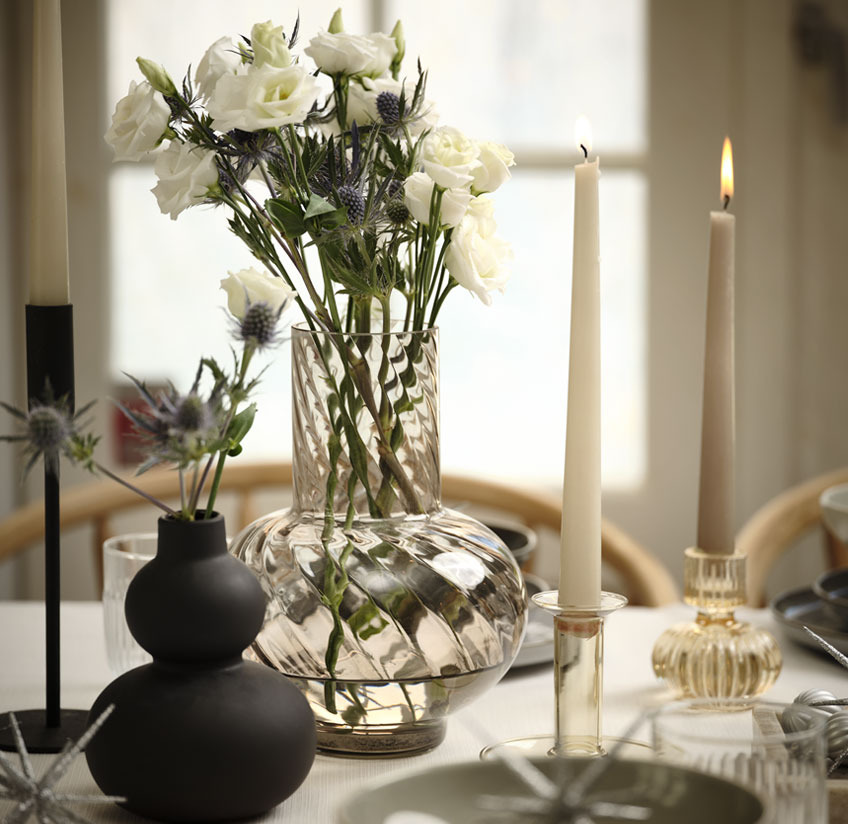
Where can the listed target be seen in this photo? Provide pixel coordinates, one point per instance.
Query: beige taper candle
(580, 555)
(48, 268)
(717, 490)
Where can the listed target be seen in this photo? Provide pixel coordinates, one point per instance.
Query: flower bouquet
(386, 609)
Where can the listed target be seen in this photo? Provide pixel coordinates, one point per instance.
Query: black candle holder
(50, 371)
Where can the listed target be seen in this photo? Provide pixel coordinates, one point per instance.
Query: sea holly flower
(139, 123)
(259, 326)
(262, 97)
(187, 175)
(364, 93)
(250, 286)
(492, 167)
(49, 430)
(448, 156)
(418, 193)
(221, 58)
(476, 257)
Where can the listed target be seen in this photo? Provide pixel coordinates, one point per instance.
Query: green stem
(155, 501)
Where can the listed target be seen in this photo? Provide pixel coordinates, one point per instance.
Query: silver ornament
(836, 733)
(817, 698)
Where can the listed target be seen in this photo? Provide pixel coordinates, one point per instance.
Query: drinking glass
(776, 750)
(123, 556)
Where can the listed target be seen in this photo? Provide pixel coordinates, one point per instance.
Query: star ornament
(35, 796)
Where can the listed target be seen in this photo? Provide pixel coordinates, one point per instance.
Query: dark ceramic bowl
(520, 540)
(832, 588)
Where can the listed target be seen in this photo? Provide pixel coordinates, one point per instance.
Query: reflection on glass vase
(388, 611)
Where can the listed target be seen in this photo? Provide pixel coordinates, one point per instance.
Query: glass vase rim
(703, 707)
(301, 328)
(110, 543)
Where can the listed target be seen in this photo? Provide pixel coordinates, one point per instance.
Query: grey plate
(802, 607)
(449, 794)
(538, 645)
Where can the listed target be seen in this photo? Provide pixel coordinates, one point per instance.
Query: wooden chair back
(647, 581)
(779, 523)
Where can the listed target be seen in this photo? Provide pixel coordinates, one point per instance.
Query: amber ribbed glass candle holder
(716, 656)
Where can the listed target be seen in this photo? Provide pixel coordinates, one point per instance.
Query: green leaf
(367, 621)
(286, 216)
(318, 206)
(396, 438)
(334, 219)
(241, 423)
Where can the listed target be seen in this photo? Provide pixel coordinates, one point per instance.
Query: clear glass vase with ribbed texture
(386, 609)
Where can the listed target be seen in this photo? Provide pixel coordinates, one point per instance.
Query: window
(511, 72)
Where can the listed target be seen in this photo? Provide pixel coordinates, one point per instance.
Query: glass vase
(387, 610)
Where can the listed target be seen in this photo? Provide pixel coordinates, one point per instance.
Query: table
(522, 704)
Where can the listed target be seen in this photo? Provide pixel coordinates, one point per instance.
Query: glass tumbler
(123, 556)
(776, 750)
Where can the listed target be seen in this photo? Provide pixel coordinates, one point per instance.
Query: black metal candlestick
(50, 371)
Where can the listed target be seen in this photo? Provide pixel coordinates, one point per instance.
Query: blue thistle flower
(258, 327)
(388, 107)
(354, 202)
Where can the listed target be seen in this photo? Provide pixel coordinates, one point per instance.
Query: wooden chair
(776, 525)
(647, 581)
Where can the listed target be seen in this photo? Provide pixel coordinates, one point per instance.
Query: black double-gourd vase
(199, 734)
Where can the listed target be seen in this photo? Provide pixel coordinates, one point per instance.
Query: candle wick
(726, 202)
(585, 152)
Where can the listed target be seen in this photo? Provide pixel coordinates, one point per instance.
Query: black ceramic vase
(199, 734)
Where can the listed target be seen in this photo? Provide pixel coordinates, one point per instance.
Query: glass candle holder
(578, 684)
(716, 656)
(775, 750)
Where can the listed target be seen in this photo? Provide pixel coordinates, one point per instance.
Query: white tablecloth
(522, 704)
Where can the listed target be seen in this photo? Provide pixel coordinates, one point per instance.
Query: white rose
(254, 286)
(139, 122)
(262, 97)
(221, 58)
(476, 257)
(417, 191)
(448, 157)
(384, 51)
(492, 168)
(186, 174)
(362, 103)
(269, 46)
(340, 53)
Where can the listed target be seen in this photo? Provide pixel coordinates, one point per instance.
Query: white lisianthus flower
(448, 156)
(186, 175)
(340, 53)
(343, 53)
(362, 103)
(476, 257)
(417, 191)
(270, 47)
(221, 58)
(492, 167)
(262, 97)
(384, 51)
(139, 122)
(251, 286)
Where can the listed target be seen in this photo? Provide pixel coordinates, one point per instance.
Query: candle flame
(583, 134)
(726, 171)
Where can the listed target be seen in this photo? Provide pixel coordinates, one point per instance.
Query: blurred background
(662, 82)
